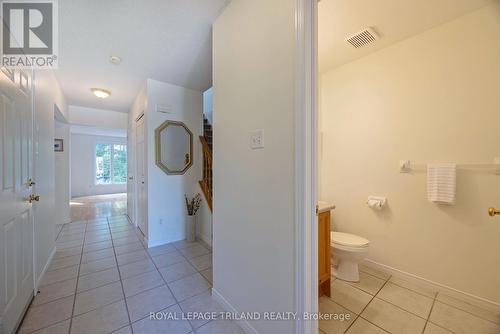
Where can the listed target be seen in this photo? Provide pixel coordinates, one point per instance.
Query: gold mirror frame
(159, 163)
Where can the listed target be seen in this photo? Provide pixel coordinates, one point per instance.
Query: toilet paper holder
(376, 202)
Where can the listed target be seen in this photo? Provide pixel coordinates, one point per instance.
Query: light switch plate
(257, 139)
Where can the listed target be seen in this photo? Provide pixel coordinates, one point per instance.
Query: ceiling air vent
(362, 38)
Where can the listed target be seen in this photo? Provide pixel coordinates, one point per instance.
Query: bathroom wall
(430, 98)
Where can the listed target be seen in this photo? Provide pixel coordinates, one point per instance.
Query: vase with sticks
(192, 207)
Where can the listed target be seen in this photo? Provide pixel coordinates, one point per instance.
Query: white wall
(166, 205)
(83, 166)
(62, 174)
(254, 51)
(47, 94)
(431, 98)
(139, 107)
(97, 117)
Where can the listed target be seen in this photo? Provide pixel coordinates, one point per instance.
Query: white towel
(442, 183)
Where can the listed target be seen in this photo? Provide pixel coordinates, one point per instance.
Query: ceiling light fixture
(100, 93)
(115, 60)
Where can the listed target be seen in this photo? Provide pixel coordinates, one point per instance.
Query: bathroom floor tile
(368, 283)
(467, 307)
(418, 288)
(392, 319)
(374, 272)
(361, 326)
(459, 321)
(430, 328)
(334, 326)
(349, 297)
(406, 299)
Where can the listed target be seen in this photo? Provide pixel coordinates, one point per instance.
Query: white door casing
(142, 215)
(16, 215)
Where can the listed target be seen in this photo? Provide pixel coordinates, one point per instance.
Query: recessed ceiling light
(115, 60)
(101, 93)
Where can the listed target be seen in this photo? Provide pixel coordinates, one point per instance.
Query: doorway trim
(306, 239)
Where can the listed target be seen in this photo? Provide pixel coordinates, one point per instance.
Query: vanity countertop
(325, 206)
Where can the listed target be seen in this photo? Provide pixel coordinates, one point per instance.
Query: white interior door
(16, 219)
(142, 216)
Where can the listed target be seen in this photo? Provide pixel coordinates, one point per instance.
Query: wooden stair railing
(206, 181)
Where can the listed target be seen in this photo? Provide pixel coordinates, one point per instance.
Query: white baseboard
(205, 240)
(244, 324)
(49, 260)
(440, 288)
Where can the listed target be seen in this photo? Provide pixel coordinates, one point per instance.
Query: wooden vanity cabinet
(324, 259)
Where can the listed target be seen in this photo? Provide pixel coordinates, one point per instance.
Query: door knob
(493, 212)
(33, 198)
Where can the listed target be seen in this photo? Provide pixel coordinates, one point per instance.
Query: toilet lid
(348, 239)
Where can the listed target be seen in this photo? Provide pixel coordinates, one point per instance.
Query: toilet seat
(348, 240)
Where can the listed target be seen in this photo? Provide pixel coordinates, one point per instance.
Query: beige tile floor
(380, 303)
(93, 207)
(103, 280)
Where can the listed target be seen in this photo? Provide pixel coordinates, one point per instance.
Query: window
(110, 163)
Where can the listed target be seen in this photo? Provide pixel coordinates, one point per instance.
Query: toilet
(347, 251)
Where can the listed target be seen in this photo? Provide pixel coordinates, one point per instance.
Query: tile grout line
(441, 301)
(120, 276)
(386, 301)
(168, 287)
(364, 308)
(77, 280)
(430, 312)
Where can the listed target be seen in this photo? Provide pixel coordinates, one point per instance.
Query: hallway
(103, 280)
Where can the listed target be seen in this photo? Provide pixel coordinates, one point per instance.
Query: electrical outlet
(257, 139)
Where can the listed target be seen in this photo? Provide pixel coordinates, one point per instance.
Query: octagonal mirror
(174, 147)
